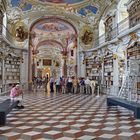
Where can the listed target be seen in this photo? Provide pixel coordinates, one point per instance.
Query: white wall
(122, 10)
(101, 28)
(5, 24)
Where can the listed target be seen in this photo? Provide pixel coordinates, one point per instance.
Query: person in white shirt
(57, 85)
(93, 84)
(87, 83)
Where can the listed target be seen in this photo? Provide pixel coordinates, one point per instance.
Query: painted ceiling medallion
(62, 1)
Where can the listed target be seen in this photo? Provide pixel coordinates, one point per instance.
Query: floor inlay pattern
(69, 117)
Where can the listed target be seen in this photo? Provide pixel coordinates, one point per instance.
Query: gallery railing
(121, 27)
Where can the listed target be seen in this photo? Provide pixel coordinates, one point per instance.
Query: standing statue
(87, 37)
(20, 34)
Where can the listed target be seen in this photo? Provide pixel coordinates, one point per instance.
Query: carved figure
(20, 34)
(87, 37)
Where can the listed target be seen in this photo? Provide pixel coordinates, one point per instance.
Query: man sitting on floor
(15, 93)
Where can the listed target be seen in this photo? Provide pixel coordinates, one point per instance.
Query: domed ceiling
(62, 1)
(52, 25)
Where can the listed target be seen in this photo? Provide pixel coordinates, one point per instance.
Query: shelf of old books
(93, 65)
(12, 70)
(133, 63)
(108, 69)
(132, 77)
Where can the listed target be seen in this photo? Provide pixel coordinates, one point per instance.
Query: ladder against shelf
(131, 85)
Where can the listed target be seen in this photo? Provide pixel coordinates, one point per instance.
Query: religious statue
(87, 37)
(20, 34)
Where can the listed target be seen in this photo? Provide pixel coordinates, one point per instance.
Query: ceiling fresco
(25, 6)
(53, 29)
(62, 1)
(52, 25)
(88, 10)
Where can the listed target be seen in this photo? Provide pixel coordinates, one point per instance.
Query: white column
(78, 58)
(102, 82)
(82, 66)
(115, 72)
(3, 74)
(115, 88)
(24, 69)
(35, 61)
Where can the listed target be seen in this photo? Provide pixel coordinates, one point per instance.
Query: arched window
(101, 27)
(101, 32)
(122, 10)
(122, 14)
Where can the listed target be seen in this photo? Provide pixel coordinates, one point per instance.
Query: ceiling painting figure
(52, 27)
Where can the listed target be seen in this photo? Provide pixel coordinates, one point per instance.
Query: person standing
(82, 86)
(75, 85)
(51, 84)
(63, 85)
(87, 84)
(69, 85)
(93, 84)
(57, 84)
(46, 82)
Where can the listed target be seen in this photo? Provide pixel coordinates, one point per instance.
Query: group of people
(66, 84)
(60, 84)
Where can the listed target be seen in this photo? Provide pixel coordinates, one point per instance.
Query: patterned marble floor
(69, 117)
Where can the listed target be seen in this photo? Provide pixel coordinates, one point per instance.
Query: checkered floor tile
(69, 117)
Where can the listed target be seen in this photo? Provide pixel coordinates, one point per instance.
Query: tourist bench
(5, 108)
(135, 107)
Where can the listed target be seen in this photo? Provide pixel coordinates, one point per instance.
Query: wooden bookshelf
(134, 13)
(12, 70)
(133, 60)
(108, 28)
(93, 66)
(108, 69)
